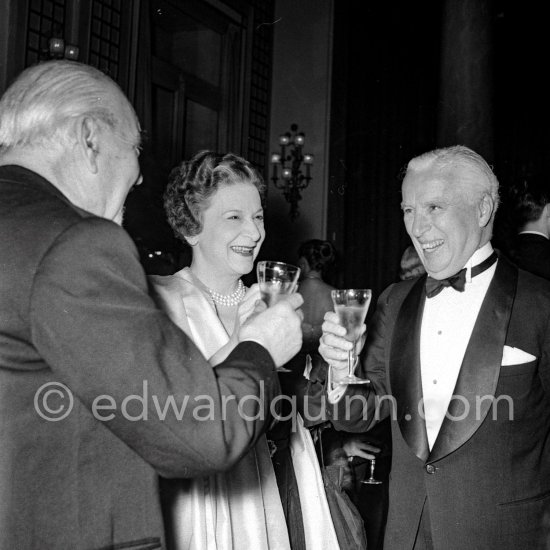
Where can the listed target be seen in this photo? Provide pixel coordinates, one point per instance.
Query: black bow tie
(458, 281)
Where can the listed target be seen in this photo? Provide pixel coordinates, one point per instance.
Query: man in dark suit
(462, 356)
(99, 391)
(531, 212)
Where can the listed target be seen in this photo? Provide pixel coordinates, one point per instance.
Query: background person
(530, 206)
(340, 451)
(314, 258)
(76, 311)
(410, 265)
(466, 473)
(214, 204)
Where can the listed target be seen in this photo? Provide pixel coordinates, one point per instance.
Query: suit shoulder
(35, 221)
(531, 284)
(32, 209)
(88, 239)
(33, 214)
(398, 290)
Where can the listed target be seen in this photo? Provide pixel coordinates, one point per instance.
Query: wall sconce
(291, 179)
(57, 49)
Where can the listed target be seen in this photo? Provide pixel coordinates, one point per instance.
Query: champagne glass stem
(372, 480)
(350, 363)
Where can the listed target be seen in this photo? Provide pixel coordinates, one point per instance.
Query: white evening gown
(240, 509)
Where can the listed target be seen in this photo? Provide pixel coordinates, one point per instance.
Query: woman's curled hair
(318, 253)
(192, 183)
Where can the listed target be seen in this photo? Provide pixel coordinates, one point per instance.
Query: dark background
(391, 98)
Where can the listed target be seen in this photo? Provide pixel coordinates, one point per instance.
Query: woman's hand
(357, 447)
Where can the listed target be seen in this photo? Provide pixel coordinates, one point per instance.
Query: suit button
(430, 468)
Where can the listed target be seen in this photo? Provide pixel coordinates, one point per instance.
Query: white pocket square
(515, 356)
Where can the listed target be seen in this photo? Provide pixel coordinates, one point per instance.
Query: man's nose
(420, 224)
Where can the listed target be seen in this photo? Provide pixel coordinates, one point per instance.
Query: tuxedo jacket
(532, 253)
(89, 368)
(486, 481)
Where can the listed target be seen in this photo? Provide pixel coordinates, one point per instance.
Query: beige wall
(300, 94)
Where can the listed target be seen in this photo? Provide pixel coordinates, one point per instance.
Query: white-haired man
(99, 391)
(464, 356)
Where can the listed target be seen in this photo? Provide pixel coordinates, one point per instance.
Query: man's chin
(436, 268)
(437, 272)
(442, 273)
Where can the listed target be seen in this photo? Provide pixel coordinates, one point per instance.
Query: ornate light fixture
(291, 179)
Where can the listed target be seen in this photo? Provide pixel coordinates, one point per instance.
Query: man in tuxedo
(531, 212)
(462, 356)
(99, 391)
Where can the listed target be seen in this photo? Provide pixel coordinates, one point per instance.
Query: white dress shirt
(447, 325)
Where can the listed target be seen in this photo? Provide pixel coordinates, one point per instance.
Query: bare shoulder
(315, 286)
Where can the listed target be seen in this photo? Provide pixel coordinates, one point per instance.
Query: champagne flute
(351, 305)
(372, 480)
(276, 279)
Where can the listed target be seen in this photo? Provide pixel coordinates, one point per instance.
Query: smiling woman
(214, 204)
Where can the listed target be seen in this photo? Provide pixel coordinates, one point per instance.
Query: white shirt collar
(477, 257)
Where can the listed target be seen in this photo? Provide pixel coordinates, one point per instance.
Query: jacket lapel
(404, 365)
(478, 377)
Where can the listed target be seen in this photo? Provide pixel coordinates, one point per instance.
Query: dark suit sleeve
(364, 405)
(100, 332)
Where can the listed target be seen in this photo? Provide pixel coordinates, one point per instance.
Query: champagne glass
(351, 305)
(276, 279)
(372, 480)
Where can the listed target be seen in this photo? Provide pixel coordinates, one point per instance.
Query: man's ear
(192, 241)
(486, 208)
(88, 142)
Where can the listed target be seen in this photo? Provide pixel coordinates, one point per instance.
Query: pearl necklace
(228, 300)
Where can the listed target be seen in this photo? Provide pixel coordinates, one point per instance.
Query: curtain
(384, 103)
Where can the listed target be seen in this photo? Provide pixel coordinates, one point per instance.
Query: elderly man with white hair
(99, 391)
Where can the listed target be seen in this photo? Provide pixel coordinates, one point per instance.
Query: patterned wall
(45, 19)
(260, 82)
(104, 51)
